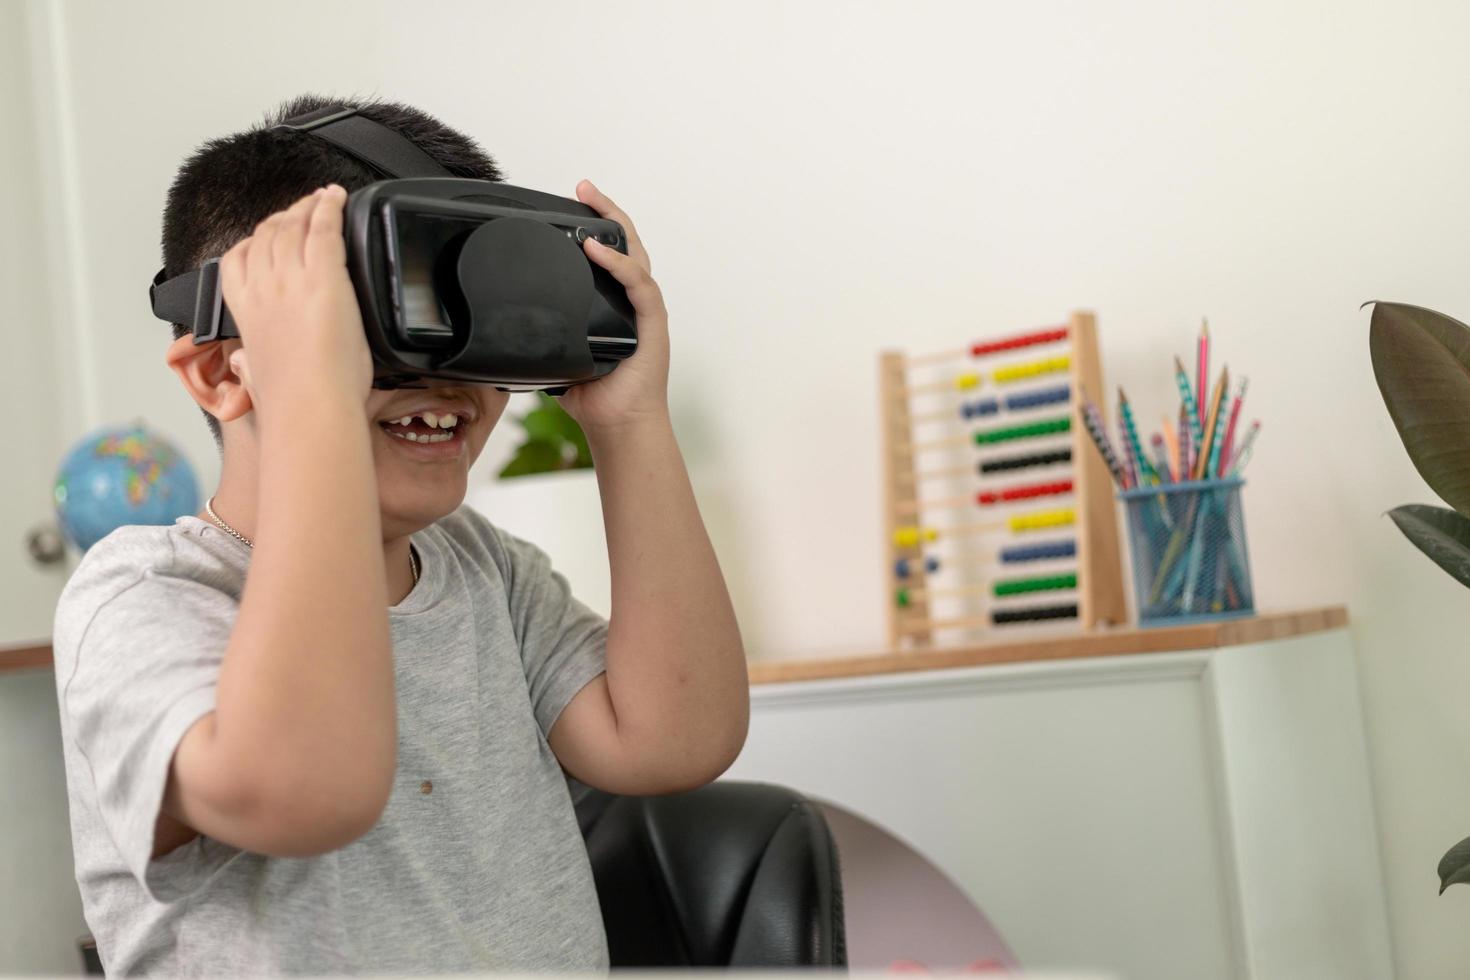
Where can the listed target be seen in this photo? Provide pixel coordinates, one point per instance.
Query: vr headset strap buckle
(195, 300)
(209, 300)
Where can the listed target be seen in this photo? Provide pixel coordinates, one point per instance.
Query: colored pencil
(1202, 374)
(1092, 422)
(1125, 455)
(1243, 455)
(1229, 443)
(1206, 448)
(1191, 407)
(1161, 458)
(1217, 434)
(1145, 468)
(1100, 432)
(1171, 440)
(1185, 451)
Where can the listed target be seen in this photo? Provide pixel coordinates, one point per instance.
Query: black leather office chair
(732, 874)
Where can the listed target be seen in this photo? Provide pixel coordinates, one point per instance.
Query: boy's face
(423, 465)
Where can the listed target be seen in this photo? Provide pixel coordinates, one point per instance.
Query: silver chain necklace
(413, 558)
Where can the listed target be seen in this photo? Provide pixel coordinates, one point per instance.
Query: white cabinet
(1202, 814)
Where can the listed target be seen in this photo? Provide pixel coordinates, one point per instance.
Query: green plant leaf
(554, 441)
(1440, 533)
(1421, 360)
(1454, 867)
(535, 456)
(544, 425)
(549, 421)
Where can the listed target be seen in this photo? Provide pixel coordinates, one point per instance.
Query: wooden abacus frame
(1101, 598)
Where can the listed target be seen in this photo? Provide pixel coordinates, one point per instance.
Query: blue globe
(122, 476)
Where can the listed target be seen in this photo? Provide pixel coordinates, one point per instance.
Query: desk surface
(1099, 643)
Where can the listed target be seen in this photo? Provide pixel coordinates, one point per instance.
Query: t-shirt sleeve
(141, 658)
(563, 641)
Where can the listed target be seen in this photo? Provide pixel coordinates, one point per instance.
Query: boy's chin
(407, 506)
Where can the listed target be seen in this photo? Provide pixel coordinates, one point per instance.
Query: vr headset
(466, 280)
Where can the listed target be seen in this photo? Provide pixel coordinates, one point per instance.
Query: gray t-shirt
(476, 864)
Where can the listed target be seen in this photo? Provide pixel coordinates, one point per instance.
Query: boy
(351, 758)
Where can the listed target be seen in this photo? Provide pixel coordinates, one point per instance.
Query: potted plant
(553, 442)
(1421, 360)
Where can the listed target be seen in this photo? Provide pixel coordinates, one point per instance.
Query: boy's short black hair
(231, 184)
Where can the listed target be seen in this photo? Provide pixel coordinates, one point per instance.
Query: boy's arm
(299, 754)
(672, 710)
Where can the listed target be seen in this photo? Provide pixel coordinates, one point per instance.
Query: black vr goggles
(466, 280)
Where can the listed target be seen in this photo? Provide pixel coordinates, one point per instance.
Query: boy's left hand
(637, 389)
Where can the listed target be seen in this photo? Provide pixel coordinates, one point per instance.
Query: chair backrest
(91, 962)
(733, 874)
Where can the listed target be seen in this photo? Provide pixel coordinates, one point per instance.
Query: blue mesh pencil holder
(1189, 557)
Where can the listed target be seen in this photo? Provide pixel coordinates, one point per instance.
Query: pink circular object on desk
(902, 912)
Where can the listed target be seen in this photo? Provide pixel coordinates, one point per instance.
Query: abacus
(1012, 432)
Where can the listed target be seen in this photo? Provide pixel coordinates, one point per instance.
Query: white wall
(40, 910)
(817, 181)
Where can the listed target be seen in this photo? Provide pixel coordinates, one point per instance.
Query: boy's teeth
(415, 437)
(432, 420)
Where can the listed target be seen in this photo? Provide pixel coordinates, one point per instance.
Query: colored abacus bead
(1002, 616)
(965, 382)
(1024, 340)
(902, 568)
(1024, 462)
(1031, 429)
(986, 497)
(1039, 552)
(1045, 583)
(1042, 519)
(908, 537)
(1018, 372)
(986, 406)
(903, 598)
(1033, 399)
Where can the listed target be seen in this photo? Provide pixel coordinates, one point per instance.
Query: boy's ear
(209, 377)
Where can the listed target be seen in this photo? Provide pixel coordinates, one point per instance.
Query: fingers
(288, 242)
(258, 261)
(643, 292)
(603, 205)
(324, 244)
(277, 241)
(232, 269)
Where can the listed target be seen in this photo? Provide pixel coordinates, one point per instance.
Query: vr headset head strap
(195, 298)
(377, 146)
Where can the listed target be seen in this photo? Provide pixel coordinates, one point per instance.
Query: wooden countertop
(33, 657)
(1162, 639)
(1159, 639)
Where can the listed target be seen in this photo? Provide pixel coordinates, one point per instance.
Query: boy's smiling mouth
(422, 427)
(429, 430)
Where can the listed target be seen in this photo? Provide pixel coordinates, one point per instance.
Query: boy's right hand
(287, 287)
